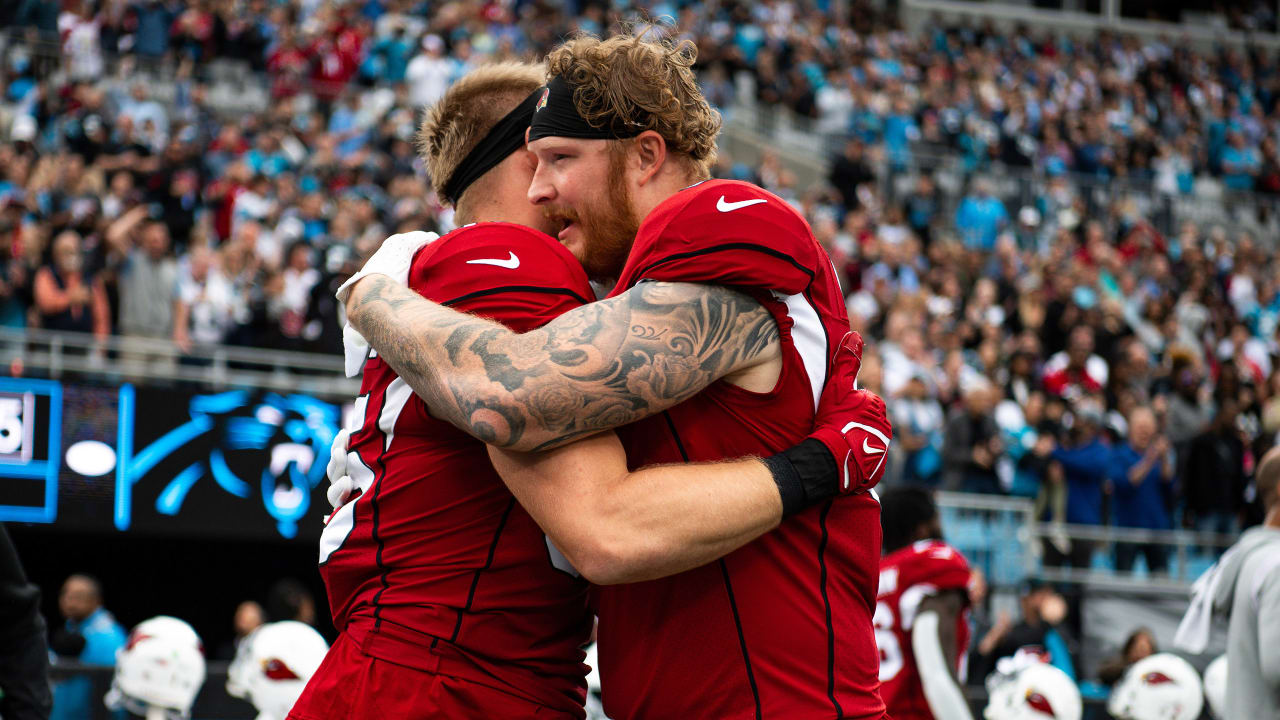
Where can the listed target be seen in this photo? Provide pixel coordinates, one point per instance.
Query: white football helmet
(1158, 687)
(1215, 686)
(160, 668)
(273, 664)
(1032, 690)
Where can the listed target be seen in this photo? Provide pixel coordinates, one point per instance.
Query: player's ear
(650, 153)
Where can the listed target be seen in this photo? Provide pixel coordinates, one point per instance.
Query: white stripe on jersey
(809, 336)
(340, 526)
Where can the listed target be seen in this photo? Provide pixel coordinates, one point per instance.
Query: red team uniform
(442, 585)
(780, 628)
(907, 577)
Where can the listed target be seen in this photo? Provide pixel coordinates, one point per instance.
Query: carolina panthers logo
(286, 436)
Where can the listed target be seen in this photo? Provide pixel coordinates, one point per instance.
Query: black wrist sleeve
(805, 474)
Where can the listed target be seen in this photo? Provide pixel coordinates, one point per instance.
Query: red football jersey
(908, 576)
(780, 628)
(435, 565)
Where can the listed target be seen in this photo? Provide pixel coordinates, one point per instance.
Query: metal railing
(1000, 536)
(58, 355)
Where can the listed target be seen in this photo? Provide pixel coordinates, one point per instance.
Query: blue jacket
(1086, 470)
(1137, 506)
(72, 698)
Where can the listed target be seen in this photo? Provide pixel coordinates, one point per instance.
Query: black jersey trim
(373, 500)
(671, 425)
(742, 639)
(475, 581)
(725, 247)
(826, 601)
(516, 288)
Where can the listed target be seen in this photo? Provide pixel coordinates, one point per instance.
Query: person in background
(1140, 644)
(91, 636)
(1215, 473)
(249, 616)
(290, 600)
(1244, 587)
(24, 655)
(1084, 465)
(148, 281)
(1141, 472)
(1043, 625)
(918, 422)
(66, 297)
(972, 445)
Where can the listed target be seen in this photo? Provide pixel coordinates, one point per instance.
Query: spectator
(148, 278)
(918, 423)
(1084, 460)
(207, 303)
(1141, 472)
(65, 297)
(981, 217)
(972, 445)
(429, 73)
(1216, 478)
(90, 636)
(1076, 372)
(1043, 625)
(849, 172)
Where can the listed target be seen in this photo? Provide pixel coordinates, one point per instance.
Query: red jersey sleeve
(508, 273)
(725, 232)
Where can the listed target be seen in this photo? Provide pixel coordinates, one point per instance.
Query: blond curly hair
(468, 111)
(641, 83)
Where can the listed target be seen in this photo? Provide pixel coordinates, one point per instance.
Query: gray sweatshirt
(1249, 594)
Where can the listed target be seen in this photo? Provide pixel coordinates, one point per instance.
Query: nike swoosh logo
(723, 206)
(870, 450)
(510, 263)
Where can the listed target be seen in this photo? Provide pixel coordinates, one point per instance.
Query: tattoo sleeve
(593, 368)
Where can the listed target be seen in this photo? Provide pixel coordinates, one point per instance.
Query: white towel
(355, 350)
(1193, 632)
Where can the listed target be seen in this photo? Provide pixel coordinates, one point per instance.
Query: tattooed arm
(593, 368)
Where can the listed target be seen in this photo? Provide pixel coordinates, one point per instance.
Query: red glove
(853, 424)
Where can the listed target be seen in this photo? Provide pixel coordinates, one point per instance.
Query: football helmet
(1031, 689)
(160, 667)
(1215, 686)
(273, 664)
(1158, 687)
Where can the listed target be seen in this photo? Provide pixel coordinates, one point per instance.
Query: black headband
(505, 138)
(557, 116)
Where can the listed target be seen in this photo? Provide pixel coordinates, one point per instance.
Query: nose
(541, 189)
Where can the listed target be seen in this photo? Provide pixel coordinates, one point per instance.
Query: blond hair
(468, 111)
(645, 84)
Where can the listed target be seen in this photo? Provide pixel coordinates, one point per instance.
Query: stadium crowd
(1057, 349)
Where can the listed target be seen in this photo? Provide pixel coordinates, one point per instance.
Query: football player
(159, 671)
(450, 600)
(1158, 687)
(720, 334)
(921, 615)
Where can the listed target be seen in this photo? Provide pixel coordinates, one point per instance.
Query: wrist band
(805, 475)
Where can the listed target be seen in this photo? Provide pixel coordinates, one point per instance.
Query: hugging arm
(617, 526)
(594, 368)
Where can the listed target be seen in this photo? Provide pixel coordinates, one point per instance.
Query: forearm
(618, 526)
(594, 368)
(937, 674)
